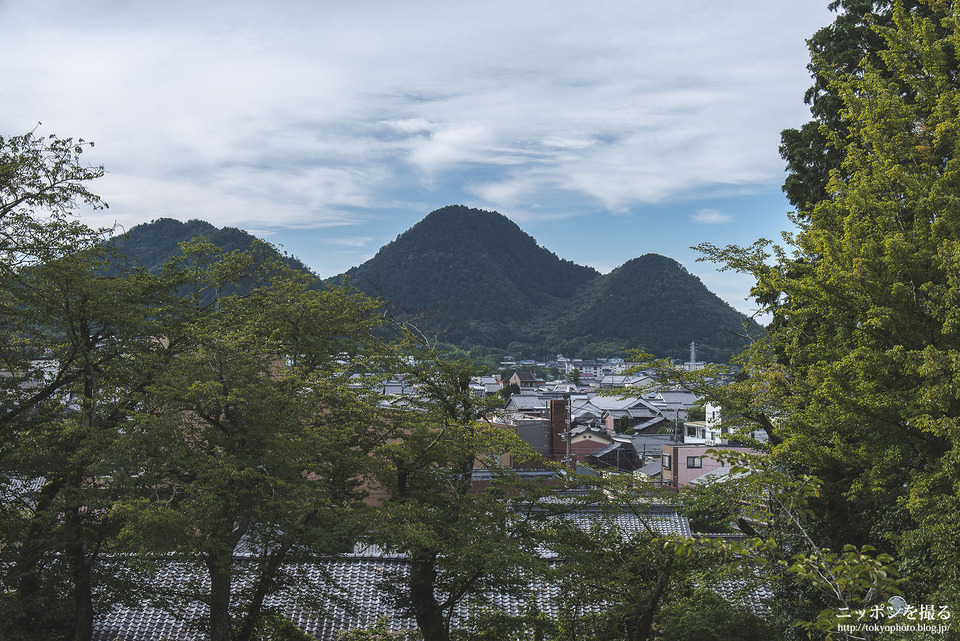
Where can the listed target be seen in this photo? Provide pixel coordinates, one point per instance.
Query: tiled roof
(653, 468)
(630, 521)
(359, 580)
(527, 401)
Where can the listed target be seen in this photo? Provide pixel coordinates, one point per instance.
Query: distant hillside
(482, 283)
(474, 274)
(151, 244)
(654, 303)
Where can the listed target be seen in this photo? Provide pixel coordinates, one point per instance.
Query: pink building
(681, 464)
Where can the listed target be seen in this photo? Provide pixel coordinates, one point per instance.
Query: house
(525, 381)
(585, 440)
(682, 464)
(636, 381)
(486, 385)
(528, 403)
(618, 456)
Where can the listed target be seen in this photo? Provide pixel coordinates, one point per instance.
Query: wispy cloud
(320, 115)
(626, 103)
(712, 217)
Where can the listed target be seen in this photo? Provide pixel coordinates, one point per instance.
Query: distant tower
(694, 364)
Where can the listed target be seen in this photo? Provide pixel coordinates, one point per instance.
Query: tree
(42, 180)
(73, 352)
(706, 616)
(839, 47)
(254, 435)
(84, 333)
(462, 542)
(855, 377)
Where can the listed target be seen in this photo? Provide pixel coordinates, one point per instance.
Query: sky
(606, 129)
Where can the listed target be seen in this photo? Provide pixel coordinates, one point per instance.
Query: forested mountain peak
(486, 284)
(476, 234)
(482, 284)
(469, 267)
(151, 244)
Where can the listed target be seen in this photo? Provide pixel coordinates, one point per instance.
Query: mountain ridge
(490, 284)
(484, 287)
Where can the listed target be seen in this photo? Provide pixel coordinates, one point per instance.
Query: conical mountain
(655, 304)
(476, 276)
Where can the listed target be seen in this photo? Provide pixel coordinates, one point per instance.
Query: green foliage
(463, 542)
(253, 433)
(380, 631)
(508, 391)
(706, 616)
(75, 351)
(42, 180)
(151, 245)
(275, 628)
(711, 508)
(654, 303)
(777, 514)
(855, 380)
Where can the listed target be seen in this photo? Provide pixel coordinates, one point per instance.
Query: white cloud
(304, 114)
(711, 217)
(352, 241)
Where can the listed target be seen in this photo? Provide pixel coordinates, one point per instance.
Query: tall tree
(70, 333)
(89, 334)
(463, 541)
(252, 440)
(858, 370)
(838, 47)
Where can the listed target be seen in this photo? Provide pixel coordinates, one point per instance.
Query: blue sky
(605, 129)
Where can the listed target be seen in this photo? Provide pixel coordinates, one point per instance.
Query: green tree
(463, 542)
(255, 433)
(42, 180)
(855, 379)
(838, 47)
(74, 350)
(88, 331)
(706, 616)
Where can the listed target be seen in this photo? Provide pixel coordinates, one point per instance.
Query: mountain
(481, 282)
(483, 286)
(654, 302)
(151, 244)
(473, 274)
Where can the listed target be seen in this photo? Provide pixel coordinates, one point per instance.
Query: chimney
(558, 426)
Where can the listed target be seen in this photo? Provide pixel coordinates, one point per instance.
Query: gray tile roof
(654, 468)
(351, 593)
(360, 581)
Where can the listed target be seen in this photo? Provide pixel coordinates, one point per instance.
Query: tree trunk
(221, 625)
(645, 623)
(426, 610)
(26, 570)
(82, 587)
(269, 567)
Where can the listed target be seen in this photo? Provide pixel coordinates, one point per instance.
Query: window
(666, 461)
(694, 461)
